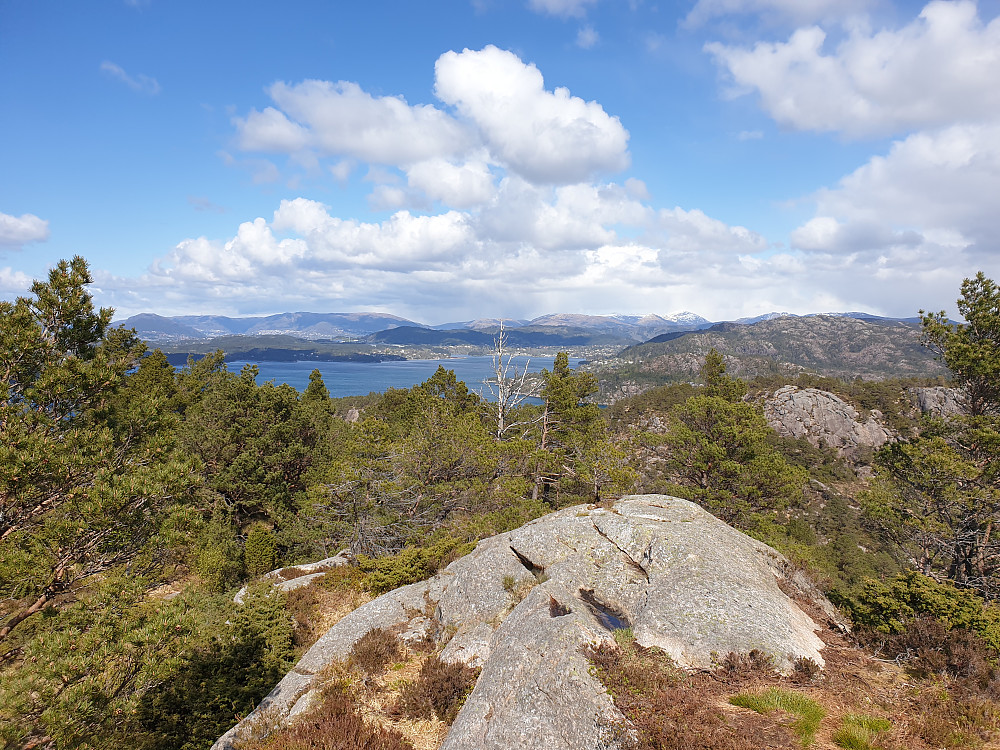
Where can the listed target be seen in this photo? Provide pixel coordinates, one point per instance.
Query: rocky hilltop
(678, 577)
(834, 346)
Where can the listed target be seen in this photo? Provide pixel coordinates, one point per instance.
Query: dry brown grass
(439, 690)
(673, 710)
(316, 608)
(370, 686)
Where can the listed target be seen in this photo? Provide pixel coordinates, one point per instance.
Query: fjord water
(362, 378)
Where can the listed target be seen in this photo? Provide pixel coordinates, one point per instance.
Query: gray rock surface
(679, 577)
(939, 401)
(297, 576)
(823, 419)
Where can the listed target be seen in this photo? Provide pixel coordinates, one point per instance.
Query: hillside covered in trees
(135, 498)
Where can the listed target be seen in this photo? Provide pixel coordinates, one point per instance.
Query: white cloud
(693, 231)
(341, 171)
(561, 8)
(16, 231)
(796, 11)
(458, 185)
(938, 187)
(544, 136)
(503, 120)
(587, 38)
(13, 283)
(530, 249)
(940, 68)
(340, 119)
(270, 130)
(141, 83)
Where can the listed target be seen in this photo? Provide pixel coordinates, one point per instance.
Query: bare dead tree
(509, 389)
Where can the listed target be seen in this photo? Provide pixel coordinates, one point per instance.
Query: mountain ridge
(314, 326)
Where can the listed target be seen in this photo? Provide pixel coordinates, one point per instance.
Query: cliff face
(680, 578)
(824, 419)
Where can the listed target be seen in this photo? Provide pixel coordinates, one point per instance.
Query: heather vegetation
(135, 498)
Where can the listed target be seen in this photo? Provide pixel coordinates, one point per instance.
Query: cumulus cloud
(141, 83)
(16, 231)
(341, 119)
(544, 136)
(458, 185)
(13, 283)
(940, 68)
(502, 119)
(937, 187)
(530, 249)
(694, 231)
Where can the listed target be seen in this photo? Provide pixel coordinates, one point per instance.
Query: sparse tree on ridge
(936, 498)
(971, 350)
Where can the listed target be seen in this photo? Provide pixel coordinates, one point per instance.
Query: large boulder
(680, 578)
(939, 401)
(824, 419)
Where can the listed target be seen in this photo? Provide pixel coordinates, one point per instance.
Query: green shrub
(219, 559)
(808, 711)
(260, 550)
(888, 607)
(412, 564)
(219, 680)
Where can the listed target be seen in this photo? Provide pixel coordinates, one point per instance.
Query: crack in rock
(628, 558)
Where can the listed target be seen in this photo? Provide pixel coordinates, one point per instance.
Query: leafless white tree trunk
(509, 388)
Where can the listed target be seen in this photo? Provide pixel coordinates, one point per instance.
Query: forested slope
(136, 497)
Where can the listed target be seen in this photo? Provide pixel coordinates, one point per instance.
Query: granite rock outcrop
(824, 419)
(678, 577)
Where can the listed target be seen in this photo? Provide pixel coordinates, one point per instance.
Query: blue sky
(477, 158)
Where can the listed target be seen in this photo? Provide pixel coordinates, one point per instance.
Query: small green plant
(858, 732)
(260, 550)
(808, 711)
(410, 565)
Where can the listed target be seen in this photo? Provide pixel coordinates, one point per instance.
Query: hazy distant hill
(157, 328)
(557, 329)
(839, 346)
(525, 336)
(304, 325)
(635, 327)
(151, 327)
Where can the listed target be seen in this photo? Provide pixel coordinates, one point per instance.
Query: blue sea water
(362, 378)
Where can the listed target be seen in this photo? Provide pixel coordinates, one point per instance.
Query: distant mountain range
(556, 329)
